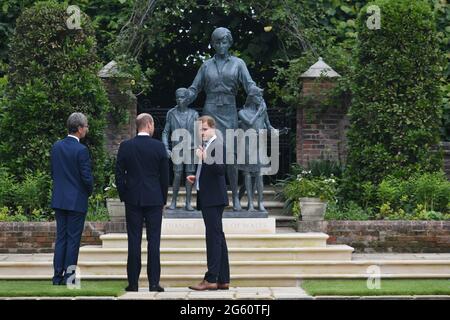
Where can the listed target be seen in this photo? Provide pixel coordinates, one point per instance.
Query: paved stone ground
(235, 293)
(253, 294)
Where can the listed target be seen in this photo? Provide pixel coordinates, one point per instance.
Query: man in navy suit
(72, 185)
(212, 199)
(142, 179)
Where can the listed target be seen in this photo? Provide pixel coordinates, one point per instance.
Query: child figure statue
(253, 116)
(181, 117)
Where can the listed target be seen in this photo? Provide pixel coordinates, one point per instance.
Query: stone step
(284, 221)
(330, 252)
(360, 268)
(279, 240)
(250, 270)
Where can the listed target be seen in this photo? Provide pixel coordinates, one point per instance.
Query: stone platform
(184, 214)
(196, 226)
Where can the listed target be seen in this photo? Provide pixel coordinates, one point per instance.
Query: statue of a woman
(220, 78)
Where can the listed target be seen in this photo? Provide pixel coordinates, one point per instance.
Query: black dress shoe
(131, 289)
(156, 288)
(58, 280)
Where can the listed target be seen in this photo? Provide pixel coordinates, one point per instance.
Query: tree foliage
(53, 72)
(396, 109)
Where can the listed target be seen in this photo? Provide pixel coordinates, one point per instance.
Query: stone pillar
(115, 133)
(320, 134)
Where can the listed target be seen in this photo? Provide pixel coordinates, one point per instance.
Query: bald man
(142, 179)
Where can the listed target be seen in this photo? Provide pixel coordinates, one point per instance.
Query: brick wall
(364, 236)
(385, 236)
(39, 237)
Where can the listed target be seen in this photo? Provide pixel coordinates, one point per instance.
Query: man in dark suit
(72, 185)
(142, 179)
(211, 200)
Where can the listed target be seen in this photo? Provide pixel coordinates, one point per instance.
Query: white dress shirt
(199, 167)
(72, 136)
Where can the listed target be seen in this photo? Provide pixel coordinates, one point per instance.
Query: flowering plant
(307, 185)
(111, 189)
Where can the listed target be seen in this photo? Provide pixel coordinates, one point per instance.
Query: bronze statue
(220, 78)
(181, 117)
(253, 118)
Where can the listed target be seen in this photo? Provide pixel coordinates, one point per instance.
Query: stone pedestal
(230, 226)
(184, 214)
(116, 211)
(312, 226)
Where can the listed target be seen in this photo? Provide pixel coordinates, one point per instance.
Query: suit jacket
(212, 183)
(142, 172)
(71, 174)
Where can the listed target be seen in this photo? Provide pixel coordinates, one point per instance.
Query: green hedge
(396, 111)
(25, 200)
(53, 72)
(422, 196)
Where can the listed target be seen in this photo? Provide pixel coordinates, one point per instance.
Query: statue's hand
(190, 179)
(169, 153)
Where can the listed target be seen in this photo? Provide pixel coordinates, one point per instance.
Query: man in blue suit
(212, 199)
(72, 185)
(142, 179)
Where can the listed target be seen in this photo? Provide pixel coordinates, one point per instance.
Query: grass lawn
(387, 287)
(44, 288)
